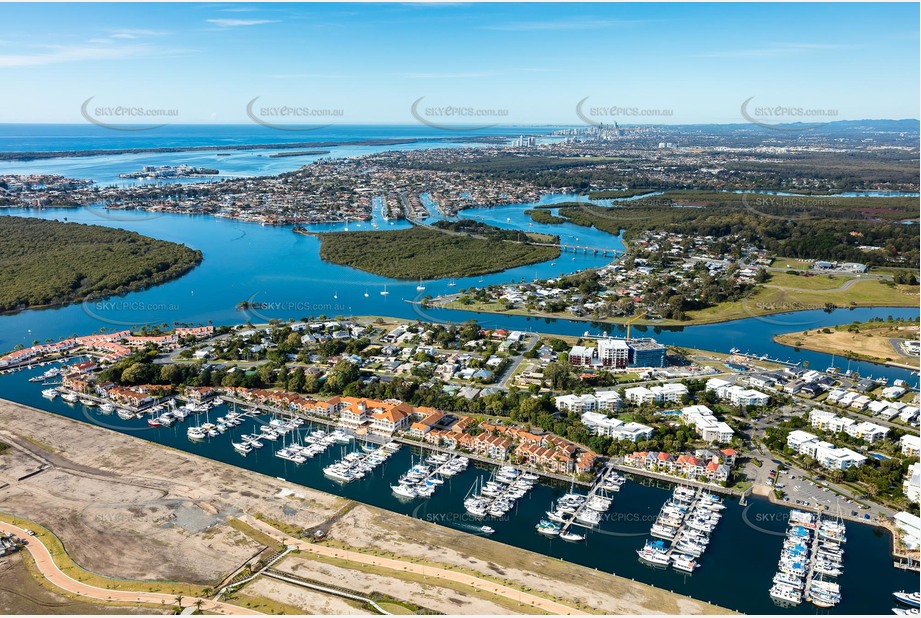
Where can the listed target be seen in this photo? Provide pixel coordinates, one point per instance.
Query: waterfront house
(389, 418)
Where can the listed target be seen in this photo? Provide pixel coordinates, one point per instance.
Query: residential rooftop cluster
(328, 190)
(664, 276)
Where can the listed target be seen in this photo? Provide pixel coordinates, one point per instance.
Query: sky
(510, 63)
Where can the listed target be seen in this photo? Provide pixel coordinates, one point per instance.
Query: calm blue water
(245, 261)
(273, 265)
(105, 169)
(736, 570)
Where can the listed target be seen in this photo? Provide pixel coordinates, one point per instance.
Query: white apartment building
(708, 428)
(602, 425)
(912, 486)
(825, 453)
(911, 445)
(671, 393)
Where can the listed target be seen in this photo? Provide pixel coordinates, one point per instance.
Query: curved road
(513, 594)
(53, 574)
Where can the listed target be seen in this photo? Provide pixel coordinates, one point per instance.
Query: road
(484, 585)
(53, 574)
(530, 341)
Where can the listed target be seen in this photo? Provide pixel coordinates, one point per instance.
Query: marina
(584, 510)
(682, 529)
(498, 494)
(810, 562)
(758, 526)
(423, 479)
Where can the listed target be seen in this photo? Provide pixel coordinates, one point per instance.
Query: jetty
(597, 489)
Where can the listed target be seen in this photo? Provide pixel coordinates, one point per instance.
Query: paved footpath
(512, 594)
(53, 574)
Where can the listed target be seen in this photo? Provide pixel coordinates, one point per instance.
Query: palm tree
(179, 598)
(198, 604)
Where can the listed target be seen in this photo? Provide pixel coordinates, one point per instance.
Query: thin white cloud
(60, 55)
(132, 33)
(585, 23)
(235, 23)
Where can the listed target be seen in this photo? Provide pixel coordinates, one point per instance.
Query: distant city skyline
(449, 64)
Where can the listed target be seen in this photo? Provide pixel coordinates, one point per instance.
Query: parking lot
(803, 492)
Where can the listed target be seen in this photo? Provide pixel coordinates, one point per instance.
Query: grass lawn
(804, 293)
(791, 263)
(256, 535)
(802, 282)
(864, 293)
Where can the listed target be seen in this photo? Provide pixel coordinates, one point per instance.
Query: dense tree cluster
(54, 263)
(796, 229)
(425, 253)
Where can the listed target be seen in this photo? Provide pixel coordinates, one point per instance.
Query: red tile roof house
(129, 396)
(690, 466)
(199, 393)
(494, 447)
(423, 425)
(391, 418)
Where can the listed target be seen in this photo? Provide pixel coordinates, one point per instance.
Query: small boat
(908, 598)
(684, 563)
(385, 292)
(654, 552)
(242, 448)
(107, 408)
(50, 393)
(486, 530)
(548, 528)
(786, 594)
(402, 489)
(89, 403)
(572, 536)
(421, 286)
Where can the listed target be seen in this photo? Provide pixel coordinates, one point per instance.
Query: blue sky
(537, 61)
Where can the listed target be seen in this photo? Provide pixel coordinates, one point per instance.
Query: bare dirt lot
(870, 341)
(428, 595)
(127, 508)
(308, 601)
(373, 529)
(167, 509)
